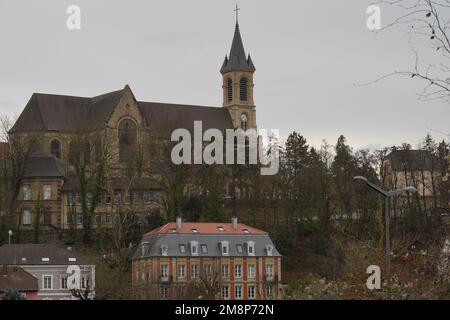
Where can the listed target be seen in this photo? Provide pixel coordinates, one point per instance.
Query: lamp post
(10, 233)
(387, 195)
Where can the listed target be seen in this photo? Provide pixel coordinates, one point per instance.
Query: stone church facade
(50, 182)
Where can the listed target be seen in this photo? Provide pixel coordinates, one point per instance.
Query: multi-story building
(54, 267)
(420, 169)
(58, 122)
(212, 260)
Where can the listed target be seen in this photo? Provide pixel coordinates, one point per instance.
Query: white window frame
(251, 296)
(269, 267)
(194, 248)
(43, 281)
(225, 248)
(251, 248)
(236, 295)
(225, 289)
(181, 271)
(225, 270)
(63, 277)
(251, 271)
(27, 196)
(47, 192)
(28, 220)
(236, 268)
(269, 250)
(164, 270)
(194, 271)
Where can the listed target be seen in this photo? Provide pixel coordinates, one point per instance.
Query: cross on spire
(237, 13)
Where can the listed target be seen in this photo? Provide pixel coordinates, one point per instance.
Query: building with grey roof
(239, 261)
(55, 268)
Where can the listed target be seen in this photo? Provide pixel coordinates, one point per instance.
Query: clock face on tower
(243, 117)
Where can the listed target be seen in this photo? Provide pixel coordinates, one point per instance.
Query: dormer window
(204, 248)
(246, 231)
(194, 248)
(173, 230)
(194, 231)
(224, 245)
(269, 250)
(220, 228)
(144, 248)
(182, 248)
(251, 248)
(45, 259)
(239, 248)
(72, 259)
(164, 250)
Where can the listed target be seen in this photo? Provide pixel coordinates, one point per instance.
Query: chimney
(234, 223)
(179, 222)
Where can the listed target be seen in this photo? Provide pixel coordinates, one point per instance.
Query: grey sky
(308, 55)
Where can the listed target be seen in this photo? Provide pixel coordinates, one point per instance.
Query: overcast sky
(308, 56)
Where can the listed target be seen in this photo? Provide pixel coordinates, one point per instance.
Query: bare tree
(426, 20)
(12, 170)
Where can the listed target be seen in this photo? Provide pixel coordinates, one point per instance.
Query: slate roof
(44, 166)
(14, 254)
(163, 236)
(237, 60)
(413, 159)
(49, 112)
(17, 278)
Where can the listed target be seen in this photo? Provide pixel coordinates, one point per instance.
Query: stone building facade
(50, 185)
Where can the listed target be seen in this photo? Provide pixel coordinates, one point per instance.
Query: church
(50, 181)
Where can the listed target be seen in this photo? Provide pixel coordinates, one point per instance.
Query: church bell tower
(237, 72)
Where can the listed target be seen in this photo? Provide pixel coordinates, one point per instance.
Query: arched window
(243, 89)
(230, 90)
(55, 148)
(127, 138)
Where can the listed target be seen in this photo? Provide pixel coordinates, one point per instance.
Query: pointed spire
(237, 58)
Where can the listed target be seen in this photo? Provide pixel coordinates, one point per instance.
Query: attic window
(164, 250)
(45, 259)
(246, 231)
(24, 259)
(173, 230)
(220, 228)
(239, 248)
(182, 248)
(72, 259)
(55, 148)
(204, 248)
(194, 231)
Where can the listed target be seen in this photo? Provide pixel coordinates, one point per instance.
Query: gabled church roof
(237, 60)
(49, 112)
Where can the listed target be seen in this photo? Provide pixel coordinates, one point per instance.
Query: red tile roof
(17, 278)
(205, 228)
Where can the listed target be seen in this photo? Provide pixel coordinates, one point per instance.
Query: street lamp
(10, 233)
(387, 195)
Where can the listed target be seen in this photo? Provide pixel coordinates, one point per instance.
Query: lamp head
(410, 189)
(10, 232)
(360, 178)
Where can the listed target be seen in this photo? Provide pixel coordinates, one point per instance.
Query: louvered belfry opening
(230, 90)
(243, 89)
